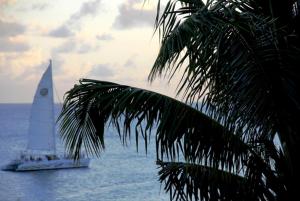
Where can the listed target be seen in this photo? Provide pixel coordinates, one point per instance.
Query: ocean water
(120, 174)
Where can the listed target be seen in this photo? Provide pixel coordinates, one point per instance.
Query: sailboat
(41, 148)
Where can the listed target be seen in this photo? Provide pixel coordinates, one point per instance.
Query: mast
(41, 133)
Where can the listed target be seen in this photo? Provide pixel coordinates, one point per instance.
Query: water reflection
(43, 185)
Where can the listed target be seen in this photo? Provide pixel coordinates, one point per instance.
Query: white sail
(41, 135)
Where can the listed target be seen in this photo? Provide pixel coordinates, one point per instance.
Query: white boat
(41, 149)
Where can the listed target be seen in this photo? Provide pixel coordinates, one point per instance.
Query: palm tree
(240, 91)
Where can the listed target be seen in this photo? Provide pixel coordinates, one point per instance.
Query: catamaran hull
(47, 165)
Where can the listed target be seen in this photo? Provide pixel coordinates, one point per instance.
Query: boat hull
(46, 165)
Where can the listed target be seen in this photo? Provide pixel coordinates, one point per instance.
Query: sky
(109, 40)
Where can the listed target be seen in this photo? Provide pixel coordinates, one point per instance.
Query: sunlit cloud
(130, 63)
(57, 65)
(74, 45)
(105, 37)
(102, 71)
(34, 7)
(16, 64)
(82, 39)
(40, 6)
(85, 48)
(67, 29)
(6, 2)
(33, 72)
(131, 15)
(73, 70)
(66, 47)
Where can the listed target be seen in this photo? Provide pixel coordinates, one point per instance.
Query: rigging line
(56, 93)
(55, 90)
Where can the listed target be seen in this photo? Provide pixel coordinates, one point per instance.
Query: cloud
(33, 7)
(61, 32)
(9, 37)
(15, 64)
(102, 70)
(105, 37)
(11, 45)
(85, 48)
(86, 9)
(74, 46)
(6, 2)
(130, 16)
(130, 63)
(66, 47)
(57, 65)
(34, 71)
(9, 29)
(40, 6)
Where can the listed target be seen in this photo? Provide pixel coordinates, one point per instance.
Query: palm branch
(240, 61)
(183, 134)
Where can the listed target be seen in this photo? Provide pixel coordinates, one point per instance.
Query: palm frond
(181, 129)
(239, 60)
(182, 132)
(227, 47)
(80, 129)
(186, 181)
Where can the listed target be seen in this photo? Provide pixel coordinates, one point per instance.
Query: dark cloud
(104, 37)
(9, 29)
(102, 70)
(61, 32)
(8, 45)
(130, 16)
(87, 8)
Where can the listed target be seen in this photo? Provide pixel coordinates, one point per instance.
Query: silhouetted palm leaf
(239, 58)
(240, 62)
(196, 182)
(182, 132)
(178, 129)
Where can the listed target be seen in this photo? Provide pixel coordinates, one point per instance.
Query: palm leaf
(180, 128)
(186, 181)
(239, 61)
(182, 131)
(229, 47)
